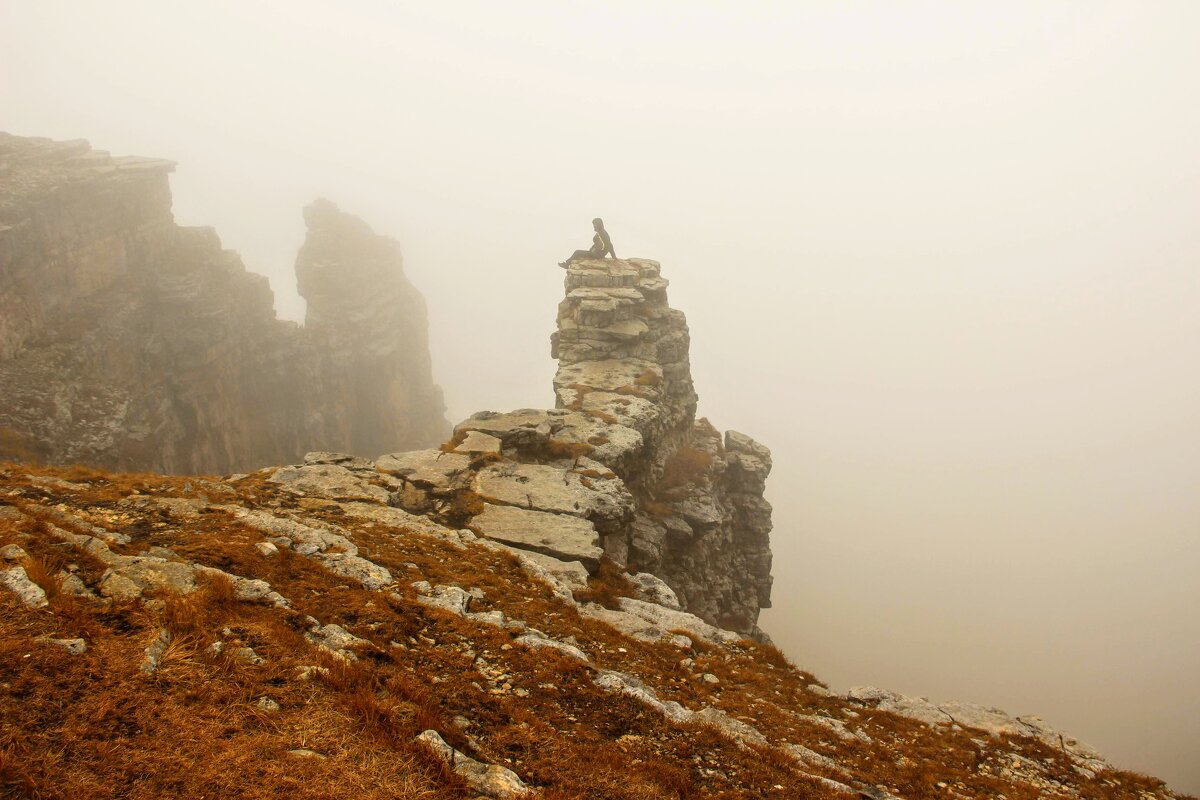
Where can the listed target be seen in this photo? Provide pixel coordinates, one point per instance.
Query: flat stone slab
(545, 488)
(560, 536)
(341, 459)
(431, 469)
(571, 573)
(479, 442)
(521, 428)
(610, 375)
(632, 411)
(397, 518)
(329, 481)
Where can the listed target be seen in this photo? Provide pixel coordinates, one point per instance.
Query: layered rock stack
(621, 467)
(130, 342)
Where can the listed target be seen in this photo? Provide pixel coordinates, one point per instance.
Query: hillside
(561, 602)
(201, 637)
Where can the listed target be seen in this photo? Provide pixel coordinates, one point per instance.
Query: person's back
(601, 245)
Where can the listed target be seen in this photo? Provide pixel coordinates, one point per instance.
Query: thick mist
(943, 258)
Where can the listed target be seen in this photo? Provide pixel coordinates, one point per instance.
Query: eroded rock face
(621, 466)
(129, 342)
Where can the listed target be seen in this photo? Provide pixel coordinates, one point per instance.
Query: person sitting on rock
(601, 245)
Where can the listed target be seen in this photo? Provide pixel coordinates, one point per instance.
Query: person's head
(598, 224)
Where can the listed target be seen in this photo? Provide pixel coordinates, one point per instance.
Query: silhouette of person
(601, 245)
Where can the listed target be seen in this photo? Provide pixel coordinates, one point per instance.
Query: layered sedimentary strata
(130, 342)
(621, 467)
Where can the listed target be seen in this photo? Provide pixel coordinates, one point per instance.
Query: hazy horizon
(943, 259)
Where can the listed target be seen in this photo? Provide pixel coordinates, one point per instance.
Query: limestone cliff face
(621, 467)
(701, 522)
(130, 342)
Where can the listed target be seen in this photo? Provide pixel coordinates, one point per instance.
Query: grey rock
(11, 552)
(807, 756)
(448, 598)
(669, 620)
(735, 729)
(334, 638)
(267, 704)
(371, 575)
(329, 481)
(431, 469)
(572, 574)
(155, 651)
(653, 589)
(561, 536)
(246, 655)
(75, 647)
(622, 683)
(301, 752)
(536, 642)
(838, 728)
(400, 519)
(546, 488)
(73, 585)
(28, 592)
(341, 459)
(480, 443)
(489, 780)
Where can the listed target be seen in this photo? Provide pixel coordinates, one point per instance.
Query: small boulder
(11, 552)
(489, 780)
(26, 590)
(75, 647)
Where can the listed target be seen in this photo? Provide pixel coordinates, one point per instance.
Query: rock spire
(130, 342)
(621, 467)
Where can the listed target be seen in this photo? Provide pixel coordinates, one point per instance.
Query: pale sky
(942, 257)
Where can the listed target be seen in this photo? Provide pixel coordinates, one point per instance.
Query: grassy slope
(95, 726)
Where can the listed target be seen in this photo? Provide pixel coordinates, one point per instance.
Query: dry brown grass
(463, 506)
(454, 441)
(557, 448)
(605, 417)
(648, 378)
(686, 465)
(607, 586)
(94, 726)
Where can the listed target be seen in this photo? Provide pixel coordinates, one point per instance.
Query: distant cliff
(130, 342)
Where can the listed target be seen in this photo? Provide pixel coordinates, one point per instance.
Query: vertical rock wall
(621, 467)
(129, 342)
(701, 523)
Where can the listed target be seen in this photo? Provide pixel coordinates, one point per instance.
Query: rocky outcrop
(621, 467)
(130, 342)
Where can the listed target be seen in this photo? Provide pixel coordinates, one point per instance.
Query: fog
(943, 258)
